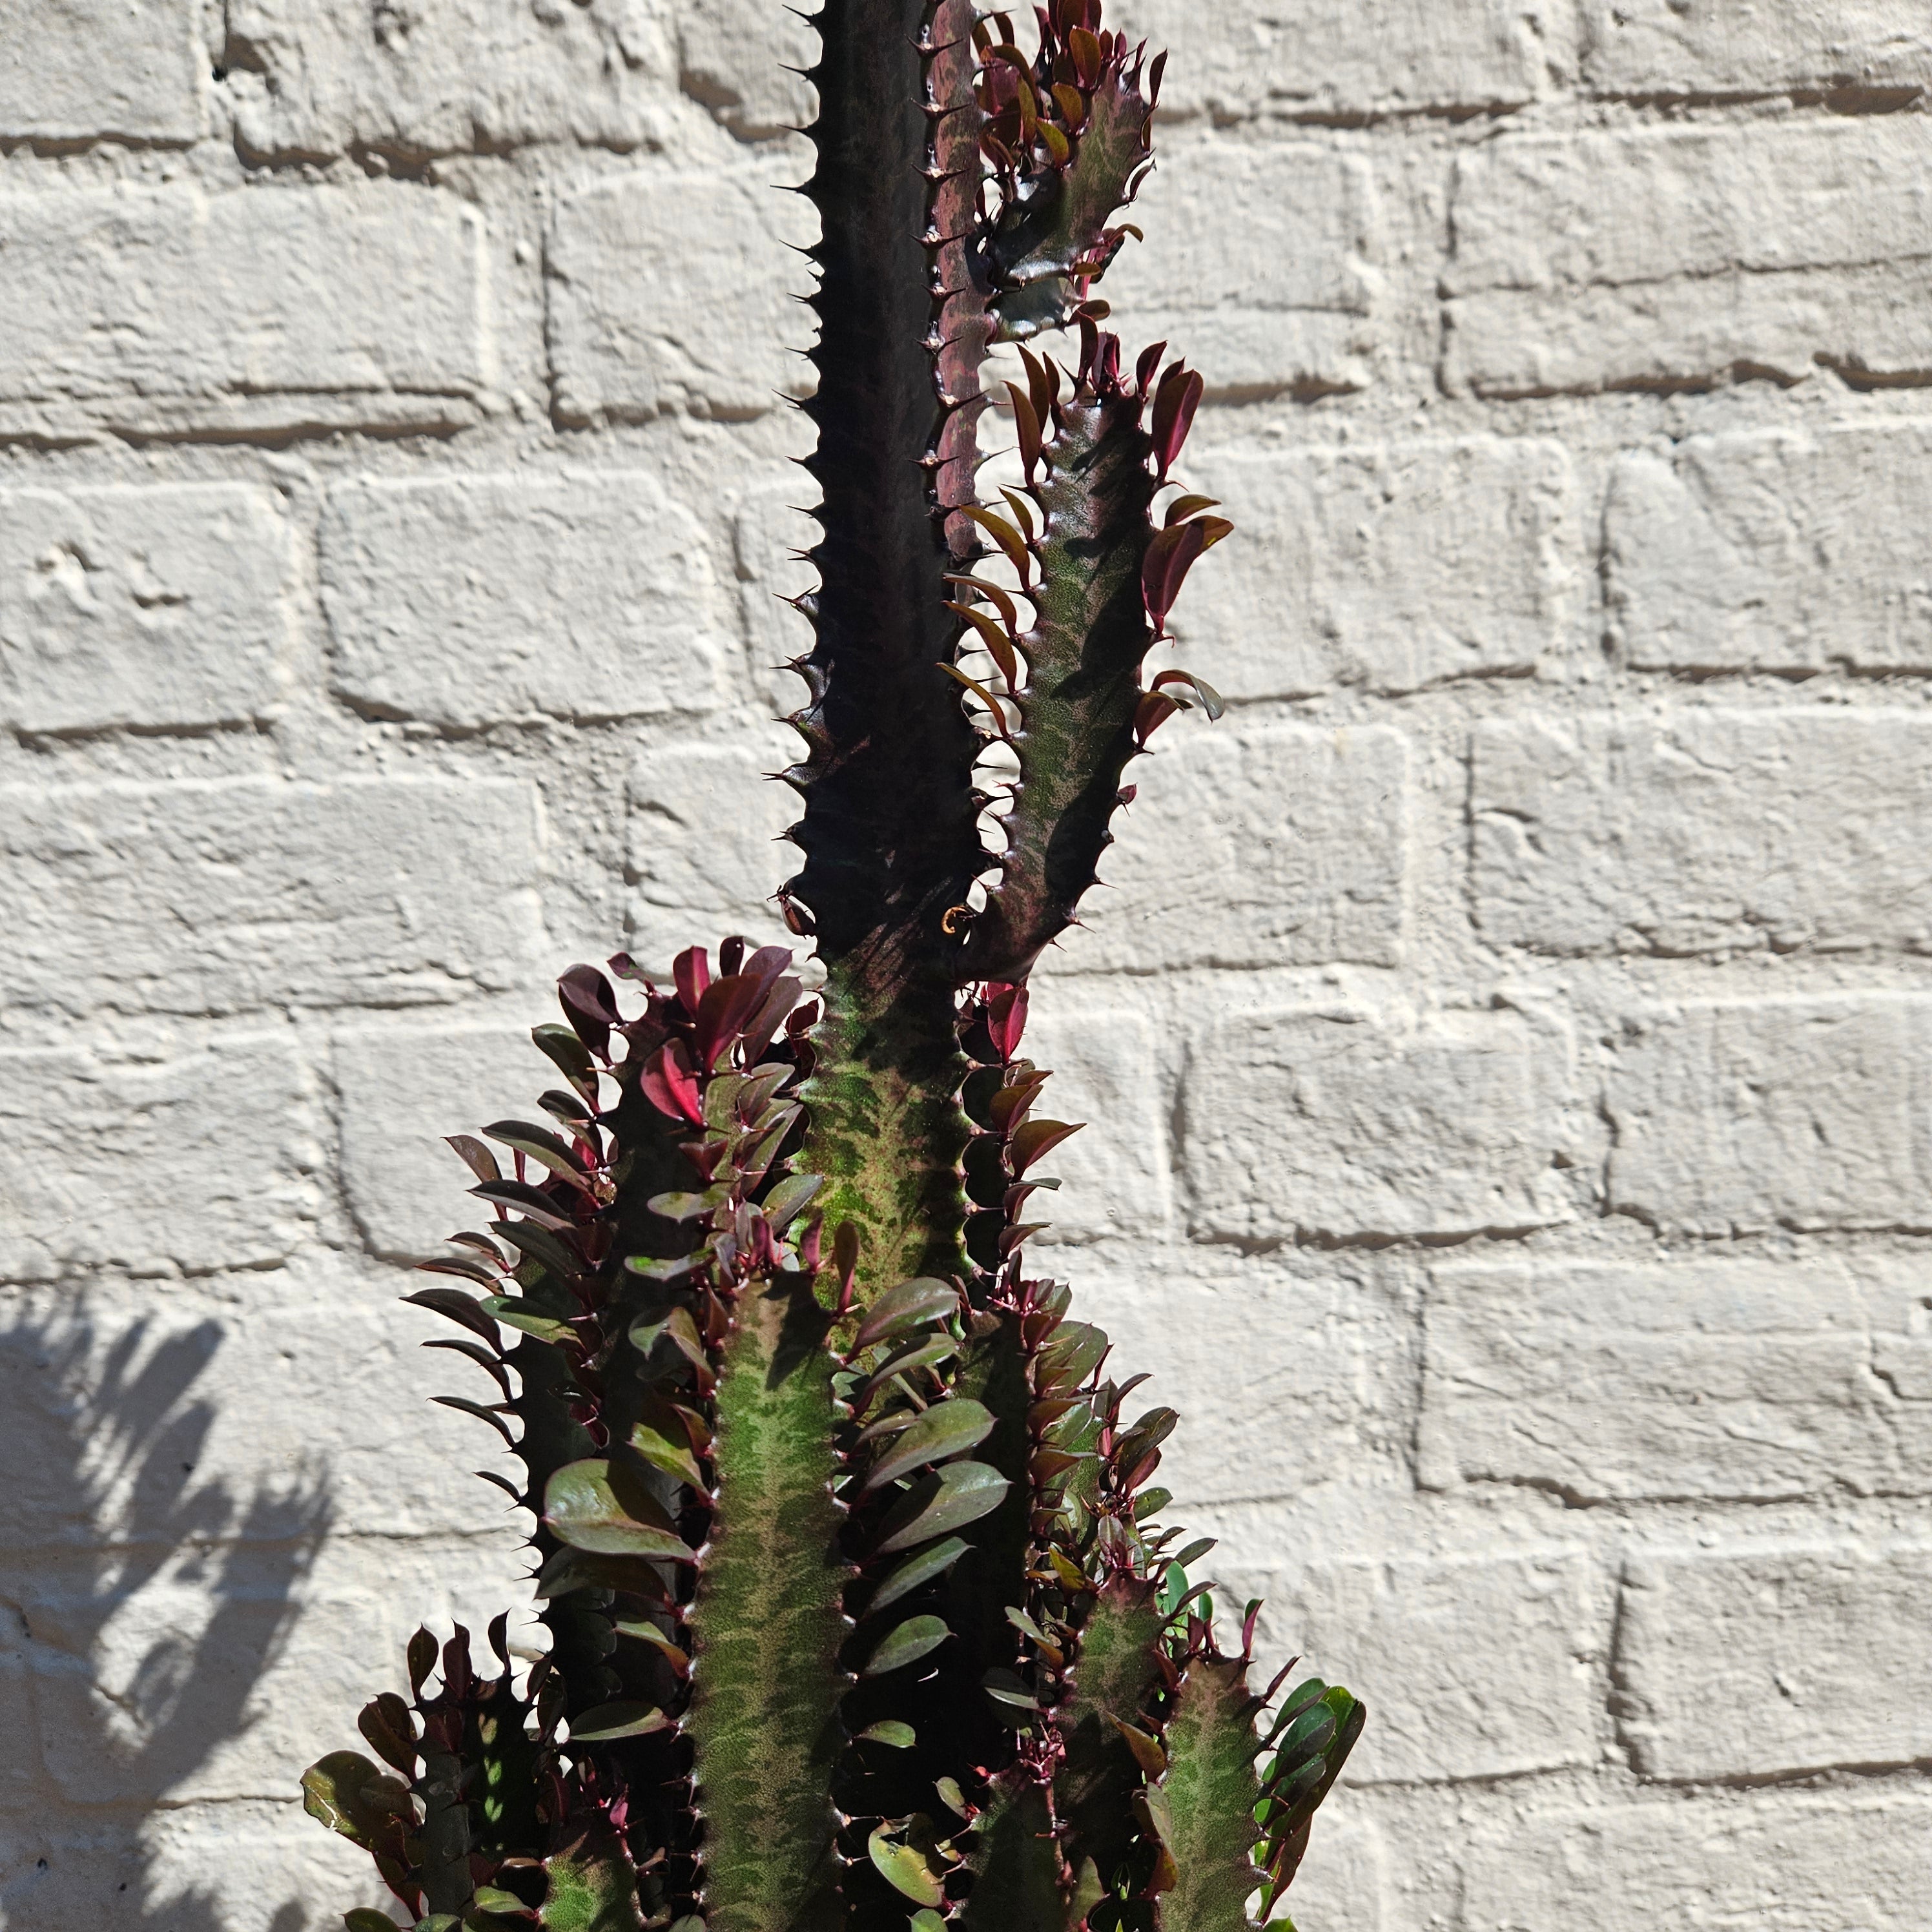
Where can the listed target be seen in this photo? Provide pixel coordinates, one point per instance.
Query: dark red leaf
(722, 1010)
(590, 1006)
(1169, 558)
(1032, 1138)
(459, 1307)
(691, 971)
(1005, 1017)
(1027, 423)
(667, 1082)
(1153, 711)
(474, 1155)
(1174, 404)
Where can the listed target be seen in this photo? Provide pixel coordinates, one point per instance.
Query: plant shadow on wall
(142, 1604)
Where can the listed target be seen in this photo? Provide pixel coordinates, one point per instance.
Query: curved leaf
(597, 1506)
(960, 1493)
(912, 1304)
(916, 1637)
(947, 1429)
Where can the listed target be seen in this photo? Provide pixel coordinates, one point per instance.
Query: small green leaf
(621, 1720)
(367, 1919)
(494, 1898)
(688, 1207)
(347, 1793)
(789, 1198)
(890, 1731)
(912, 1304)
(1005, 1688)
(903, 1867)
(599, 1506)
(916, 1637)
(645, 1632)
(960, 1493)
(951, 1795)
(925, 1920)
(681, 1331)
(514, 1312)
(921, 1567)
(947, 1429)
(916, 1354)
(672, 1454)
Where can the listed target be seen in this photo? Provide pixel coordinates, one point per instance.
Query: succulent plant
(857, 1611)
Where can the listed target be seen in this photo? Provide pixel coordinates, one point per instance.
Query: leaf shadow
(142, 1604)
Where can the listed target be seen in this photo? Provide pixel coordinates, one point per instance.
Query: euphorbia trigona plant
(857, 1611)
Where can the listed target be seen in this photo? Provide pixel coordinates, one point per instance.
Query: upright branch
(855, 1612)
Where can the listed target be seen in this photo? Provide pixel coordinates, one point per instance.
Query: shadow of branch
(144, 1603)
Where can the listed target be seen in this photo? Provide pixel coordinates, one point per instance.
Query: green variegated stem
(1016, 1883)
(591, 1884)
(1211, 1791)
(886, 1130)
(1117, 1673)
(768, 1622)
(1063, 187)
(1076, 730)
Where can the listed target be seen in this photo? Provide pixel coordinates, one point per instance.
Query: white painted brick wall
(1505, 1045)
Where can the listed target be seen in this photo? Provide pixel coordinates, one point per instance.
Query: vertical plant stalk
(857, 1609)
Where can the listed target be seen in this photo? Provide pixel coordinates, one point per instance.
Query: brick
(734, 55)
(1295, 838)
(1773, 1862)
(1734, 1379)
(463, 600)
(1380, 57)
(1326, 1351)
(1410, 564)
(1478, 1666)
(1107, 1073)
(219, 896)
(1729, 1115)
(150, 607)
(1683, 257)
(1256, 265)
(265, 1411)
(1898, 1314)
(768, 532)
(705, 826)
(441, 76)
(139, 1165)
(22, 1792)
(649, 313)
(401, 1091)
(1301, 1124)
(234, 1867)
(149, 1682)
(126, 67)
(1706, 831)
(1718, 47)
(1343, 1883)
(1783, 1658)
(262, 310)
(1786, 549)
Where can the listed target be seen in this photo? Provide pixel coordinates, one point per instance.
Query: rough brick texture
(1773, 550)
(1677, 257)
(1720, 831)
(1782, 1657)
(1504, 1040)
(155, 606)
(463, 600)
